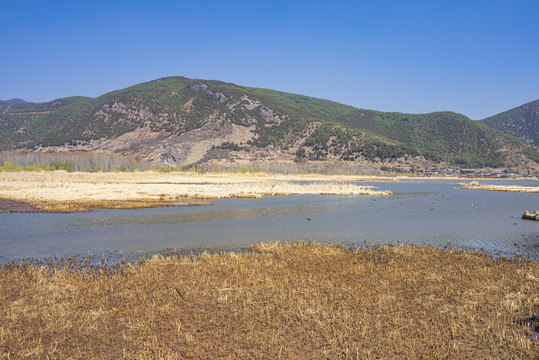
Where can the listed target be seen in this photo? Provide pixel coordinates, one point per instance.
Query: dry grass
(66, 192)
(278, 301)
(512, 188)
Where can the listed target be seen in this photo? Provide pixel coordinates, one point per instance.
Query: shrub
(121, 169)
(31, 167)
(8, 166)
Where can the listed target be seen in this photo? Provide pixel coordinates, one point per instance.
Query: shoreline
(7, 205)
(51, 206)
(61, 191)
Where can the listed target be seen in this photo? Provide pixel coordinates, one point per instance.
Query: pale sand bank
(65, 192)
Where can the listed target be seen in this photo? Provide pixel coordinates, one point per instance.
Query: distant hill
(14, 119)
(445, 136)
(181, 121)
(15, 101)
(522, 122)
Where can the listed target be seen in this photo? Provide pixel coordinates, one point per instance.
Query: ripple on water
(417, 213)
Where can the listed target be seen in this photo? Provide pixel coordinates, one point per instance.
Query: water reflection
(207, 216)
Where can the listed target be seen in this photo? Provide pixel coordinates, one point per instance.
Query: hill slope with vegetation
(180, 121)
(522, 122)
(445, 136)
(17, 116)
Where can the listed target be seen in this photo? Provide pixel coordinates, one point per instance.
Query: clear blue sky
(478, 58)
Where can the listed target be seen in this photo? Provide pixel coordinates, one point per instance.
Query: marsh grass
(275, 301)
(510, 188)
(69, 192)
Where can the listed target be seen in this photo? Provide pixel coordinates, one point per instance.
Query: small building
(468, 172)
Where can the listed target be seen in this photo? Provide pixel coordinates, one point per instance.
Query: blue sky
(478, 58)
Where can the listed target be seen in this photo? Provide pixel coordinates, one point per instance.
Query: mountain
(443, 136)
(522, 122)
(14, 119)
(181, 121)
(15, 101)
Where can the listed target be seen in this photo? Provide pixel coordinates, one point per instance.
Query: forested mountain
(15, 101)
(15, 117)
(522, 122)
(181, 121)
(444, 136)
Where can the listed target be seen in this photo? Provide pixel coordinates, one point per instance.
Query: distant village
(477, 173)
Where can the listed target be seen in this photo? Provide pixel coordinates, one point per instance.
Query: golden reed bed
(511, 188)
(66, 192)
(277, 301)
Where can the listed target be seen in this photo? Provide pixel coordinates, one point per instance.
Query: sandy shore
(67, 192)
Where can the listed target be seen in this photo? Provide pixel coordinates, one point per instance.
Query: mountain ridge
(14, 101)
(170, 120)
(521, 122)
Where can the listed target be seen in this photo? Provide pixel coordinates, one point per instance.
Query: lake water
(419, 212)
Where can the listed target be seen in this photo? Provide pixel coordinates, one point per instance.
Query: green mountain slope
(443, 136)
(16, 118)
(178, 105)
(178, 120)
(522, 122)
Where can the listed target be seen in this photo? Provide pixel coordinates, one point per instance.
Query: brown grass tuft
(277, 301)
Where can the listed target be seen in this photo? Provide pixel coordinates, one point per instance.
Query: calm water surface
(419, 212)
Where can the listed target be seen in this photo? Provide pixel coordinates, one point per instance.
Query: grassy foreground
(277, 301)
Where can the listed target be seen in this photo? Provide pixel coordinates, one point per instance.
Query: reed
(511, 188)
(66, 192)
(275, 301)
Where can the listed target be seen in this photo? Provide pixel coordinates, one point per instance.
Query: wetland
(435, 212)
(237, 267)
